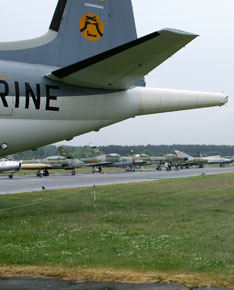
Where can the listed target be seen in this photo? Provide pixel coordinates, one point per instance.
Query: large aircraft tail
(79, 30)
(93, 44)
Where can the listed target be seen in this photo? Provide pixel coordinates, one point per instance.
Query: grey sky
(206, 64)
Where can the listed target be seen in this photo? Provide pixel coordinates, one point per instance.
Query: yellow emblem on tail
(91, 27)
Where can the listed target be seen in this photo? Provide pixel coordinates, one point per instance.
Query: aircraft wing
(98, 164)
(123, 66)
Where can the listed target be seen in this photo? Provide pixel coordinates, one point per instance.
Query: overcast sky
(206, 64)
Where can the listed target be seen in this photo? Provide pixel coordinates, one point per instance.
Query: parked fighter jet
(53, 162)
(108, 160)
(188, 160)
(217, 160)
(8, 166)
(147, 160)
(169, 159)
(67, 82)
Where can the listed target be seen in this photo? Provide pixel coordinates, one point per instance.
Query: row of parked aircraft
(67, 162)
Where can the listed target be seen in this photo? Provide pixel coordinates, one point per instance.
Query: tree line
(152, 150)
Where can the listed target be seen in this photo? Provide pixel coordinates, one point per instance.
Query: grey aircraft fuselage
(9, 166)
(86, 73)
(31, 103)
(44, 111)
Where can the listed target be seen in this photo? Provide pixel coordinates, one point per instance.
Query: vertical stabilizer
(79, 29)
(96, 151)
(62, 151)
(180, 154)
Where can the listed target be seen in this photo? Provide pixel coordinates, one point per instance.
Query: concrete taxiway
(31, 183)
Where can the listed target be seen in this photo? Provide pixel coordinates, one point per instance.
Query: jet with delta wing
(221, 161)
(85, 73)
(188, 160)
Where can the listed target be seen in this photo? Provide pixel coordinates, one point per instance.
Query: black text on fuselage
(32, 96)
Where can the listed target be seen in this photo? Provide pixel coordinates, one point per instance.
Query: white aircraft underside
(7, 166)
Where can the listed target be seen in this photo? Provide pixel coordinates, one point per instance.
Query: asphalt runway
(26, 283)
(21, 184)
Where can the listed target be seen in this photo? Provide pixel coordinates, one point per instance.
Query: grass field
(177, 230)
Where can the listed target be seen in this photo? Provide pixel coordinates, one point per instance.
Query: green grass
(180, 225)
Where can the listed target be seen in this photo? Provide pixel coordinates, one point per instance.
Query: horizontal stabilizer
(123, 66)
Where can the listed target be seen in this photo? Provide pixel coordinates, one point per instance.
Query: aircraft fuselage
(30, 102)
(36, 111)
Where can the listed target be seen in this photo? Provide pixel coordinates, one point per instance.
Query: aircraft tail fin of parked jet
(96, 151)
(180, 154)
(79, 30)
(63, 152)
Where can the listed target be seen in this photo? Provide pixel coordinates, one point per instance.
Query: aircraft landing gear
(46, 173)
(73, 172)
(10, 176)
(130, 169)
(42, 173)
(39, 174)
(97, 169)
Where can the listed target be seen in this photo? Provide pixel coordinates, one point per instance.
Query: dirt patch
(124, 276)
